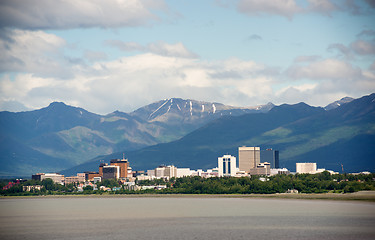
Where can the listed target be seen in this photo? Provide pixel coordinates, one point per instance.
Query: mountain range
(342, 136)
(187, 133)
(61, 136)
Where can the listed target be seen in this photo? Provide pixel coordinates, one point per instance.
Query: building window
(228, 166)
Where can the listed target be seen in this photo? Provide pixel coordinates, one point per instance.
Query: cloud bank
(163, 70)
(290, 8)
(35, 69)
(65, 14)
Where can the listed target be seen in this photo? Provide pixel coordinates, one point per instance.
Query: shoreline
(368, 196)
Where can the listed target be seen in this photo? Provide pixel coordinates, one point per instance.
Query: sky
(123, 54)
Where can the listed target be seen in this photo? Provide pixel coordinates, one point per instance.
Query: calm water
(184, 218)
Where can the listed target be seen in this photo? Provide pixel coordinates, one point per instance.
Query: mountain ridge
(299, 131)
(73, 135)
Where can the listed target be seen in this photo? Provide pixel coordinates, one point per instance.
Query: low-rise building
(183, 172)
(89, 176)
(261, 169)
(143, 177)
(292, 191)
(97, 179)
(80, 178)
(311, 168)
(56, 178)
(167, 172)
(32, 188)
(276, 171)
(307, 167)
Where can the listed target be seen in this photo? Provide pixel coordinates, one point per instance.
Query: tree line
(304, 183)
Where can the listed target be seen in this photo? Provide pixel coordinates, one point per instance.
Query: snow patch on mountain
(158, 108)
(191, 108)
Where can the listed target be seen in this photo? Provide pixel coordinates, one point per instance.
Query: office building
(227, 166)
(249, 157)
(164, 172)
(159, 172)
(89, 176)
(276, 171)
(170, 171)
(80, 178)
(111, 172)
(101, 168)
(56, 178)
(261, 169)
(183, 172)
(270, 156)
(306, 168)
(123, 164)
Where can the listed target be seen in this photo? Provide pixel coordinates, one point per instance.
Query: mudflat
(184, 217)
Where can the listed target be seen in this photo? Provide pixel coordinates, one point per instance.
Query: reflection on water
(184, 218)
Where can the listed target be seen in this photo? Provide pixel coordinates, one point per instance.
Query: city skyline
(114, 55)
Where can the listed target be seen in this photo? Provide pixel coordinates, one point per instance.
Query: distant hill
(338, 103)
(60, 136)
(344, 135)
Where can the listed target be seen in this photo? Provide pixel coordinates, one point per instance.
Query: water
(184, 218)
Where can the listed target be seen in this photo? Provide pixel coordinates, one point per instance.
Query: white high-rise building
(306, 168)
(227, 166)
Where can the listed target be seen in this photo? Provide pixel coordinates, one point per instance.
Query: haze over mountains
(61, 136)
(187, 133)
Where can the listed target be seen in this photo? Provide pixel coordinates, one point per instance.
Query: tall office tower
(249, 157)
(123, 164)
(227, 166)
(271, 156)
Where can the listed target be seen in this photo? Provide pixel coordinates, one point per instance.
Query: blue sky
(121, 55)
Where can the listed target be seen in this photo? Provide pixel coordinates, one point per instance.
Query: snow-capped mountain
(189, 111)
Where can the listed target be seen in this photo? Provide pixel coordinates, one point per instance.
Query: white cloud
(94, 55)
(372, 66)
(366, 33)
(362, 47)
(342, 49)
(289, 8)
(254, 37)
(173, 50)
(311, 58)
(328, 78)
(33, 51)
(133, 81)
(322, 6)
(326, 69)
(285, 8)
(64, 14)
(162, 71)
(130, 82)
(160, 48)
